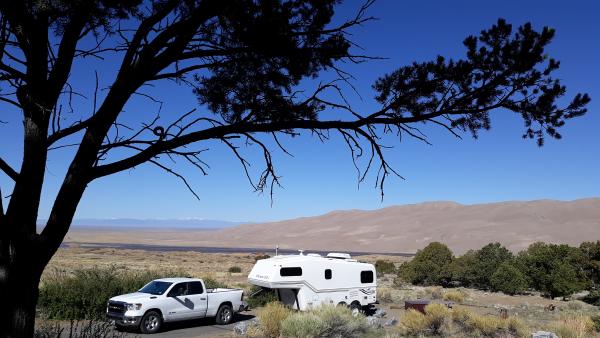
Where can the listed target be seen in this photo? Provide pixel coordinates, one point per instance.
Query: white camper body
(307, 281)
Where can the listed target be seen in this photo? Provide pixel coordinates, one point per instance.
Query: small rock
(380, 313)
(543, 334)
(241, 328)
(374, 322)
(391, 322)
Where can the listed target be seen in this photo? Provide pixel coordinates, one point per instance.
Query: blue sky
(499, 166)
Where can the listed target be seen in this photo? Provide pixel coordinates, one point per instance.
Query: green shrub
(235, 269)
(557, 270)
(259, 296)
(325, 321)
(430, 266)
(84, 293)
(462, 269)
(302, 325)
(475, 267)
(566, 280)
(211, 283)
(90, 329)
(384, 267)
(488, 259)
(591, 252)
(508, 279)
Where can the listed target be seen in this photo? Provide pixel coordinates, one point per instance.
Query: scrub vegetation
(83, 294)
(442, 321)
(276, 320)
(235, 269)
(475, 312)
(87, 329)
(552, 269)
(259, 296)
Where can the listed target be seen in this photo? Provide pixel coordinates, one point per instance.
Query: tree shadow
(203, 322)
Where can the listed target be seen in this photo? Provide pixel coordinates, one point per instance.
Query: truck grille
(116, 307)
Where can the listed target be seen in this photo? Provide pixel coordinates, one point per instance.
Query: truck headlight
(136, 306)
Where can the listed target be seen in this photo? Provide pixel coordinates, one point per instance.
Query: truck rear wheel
(224, 315)
(151, 322)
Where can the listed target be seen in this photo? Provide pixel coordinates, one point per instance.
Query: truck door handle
(203, 298)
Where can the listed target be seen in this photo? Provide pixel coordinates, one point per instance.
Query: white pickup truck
(173, 299)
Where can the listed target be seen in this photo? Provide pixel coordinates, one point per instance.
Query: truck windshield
(156, 287)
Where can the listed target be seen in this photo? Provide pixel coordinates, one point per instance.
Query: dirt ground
(533, 309)
(195, 264)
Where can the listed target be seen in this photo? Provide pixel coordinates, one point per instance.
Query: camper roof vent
(313, 255)
(338, 255)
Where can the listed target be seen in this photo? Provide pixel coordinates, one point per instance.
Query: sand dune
(405, 228)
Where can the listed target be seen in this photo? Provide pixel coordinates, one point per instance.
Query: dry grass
(434, 322)
(271, 318)
(488, 325)
(326, 321)
(574, 326)
(437, 315)
(384, 295)
(435, 292)
(196, 264)
(441, 321)
(414, 323)
(457, 296)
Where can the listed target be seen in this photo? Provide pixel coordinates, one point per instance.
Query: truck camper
(307, 281)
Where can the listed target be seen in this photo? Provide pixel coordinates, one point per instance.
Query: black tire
(224, 314)
(151, 322)
(342, 304)
(120, 328)
(355, 307)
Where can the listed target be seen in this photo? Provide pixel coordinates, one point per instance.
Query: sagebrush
(325, 321)
(438, 320)
(76, 329)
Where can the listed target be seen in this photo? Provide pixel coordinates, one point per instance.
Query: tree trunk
(19, 282)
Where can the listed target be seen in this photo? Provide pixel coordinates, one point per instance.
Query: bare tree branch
(8, 170)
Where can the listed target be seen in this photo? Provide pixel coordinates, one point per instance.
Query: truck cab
(173, 299)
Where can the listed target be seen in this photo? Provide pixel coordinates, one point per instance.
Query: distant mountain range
(182, 223)
(403, 228)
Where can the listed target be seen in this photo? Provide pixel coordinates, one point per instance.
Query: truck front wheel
(224, 315)
(151, 322)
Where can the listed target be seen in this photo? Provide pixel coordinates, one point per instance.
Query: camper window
(366, 276)
(328, 274)
(288, 272)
